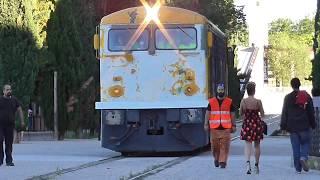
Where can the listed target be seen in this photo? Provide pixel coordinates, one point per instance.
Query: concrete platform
(34, 158)
(275, 164)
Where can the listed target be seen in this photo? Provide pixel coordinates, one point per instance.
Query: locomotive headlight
(152, 12)
(116, 91)
(113, 117)
(190, 116)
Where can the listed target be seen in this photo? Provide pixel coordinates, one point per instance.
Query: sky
(292, 9)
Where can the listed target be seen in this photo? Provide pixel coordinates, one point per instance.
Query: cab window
(182, 38)
(119, 40)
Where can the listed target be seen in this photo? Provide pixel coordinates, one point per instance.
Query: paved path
(34, 158)
(43, 157)
(275, 165)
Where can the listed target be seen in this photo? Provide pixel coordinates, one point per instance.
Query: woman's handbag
(265, 127)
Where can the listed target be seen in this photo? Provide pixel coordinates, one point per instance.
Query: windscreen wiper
(185, 33)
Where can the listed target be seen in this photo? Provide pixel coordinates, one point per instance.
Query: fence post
(55, 105)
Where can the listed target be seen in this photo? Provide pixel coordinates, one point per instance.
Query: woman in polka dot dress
(251, 110)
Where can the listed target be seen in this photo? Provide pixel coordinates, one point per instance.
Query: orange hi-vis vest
(220, 115)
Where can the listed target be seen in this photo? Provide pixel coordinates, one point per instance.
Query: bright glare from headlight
(152, 12)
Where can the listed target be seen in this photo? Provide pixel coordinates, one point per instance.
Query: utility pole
(55, 105)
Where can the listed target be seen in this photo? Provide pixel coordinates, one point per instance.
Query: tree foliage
(289, 50)
(223, 13)
(315, 75)
(21, 45)
(316, 72)
(70, 31)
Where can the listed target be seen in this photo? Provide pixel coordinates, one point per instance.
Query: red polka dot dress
(252, 126)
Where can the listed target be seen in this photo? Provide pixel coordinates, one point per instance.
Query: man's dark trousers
(6, 135)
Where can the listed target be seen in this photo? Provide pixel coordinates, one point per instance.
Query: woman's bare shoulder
(259, 100)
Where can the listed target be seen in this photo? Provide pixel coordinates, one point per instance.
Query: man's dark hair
(295, 83)
(251, 88)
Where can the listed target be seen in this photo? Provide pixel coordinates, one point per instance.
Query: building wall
(258, 35)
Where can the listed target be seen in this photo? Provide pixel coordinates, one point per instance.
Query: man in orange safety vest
(221, 123)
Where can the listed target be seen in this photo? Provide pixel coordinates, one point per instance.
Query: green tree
(305, 31)
(281, 25)
(316, 72)
(278, 56)
(289, 52)
(315, 75)
(223, 13)
(70, 31)
(19, 50)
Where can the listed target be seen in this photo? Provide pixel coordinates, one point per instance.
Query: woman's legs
(247, 154)
(257, 151)
(248, 150)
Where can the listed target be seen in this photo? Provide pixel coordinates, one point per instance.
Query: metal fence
(315, 142)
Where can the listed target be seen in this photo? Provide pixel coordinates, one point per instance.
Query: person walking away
(221, 123)
(251, 110)
(8, 107)
(298, 118)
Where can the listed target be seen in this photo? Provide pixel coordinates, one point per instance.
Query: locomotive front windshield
(181, 38)
(119, 40)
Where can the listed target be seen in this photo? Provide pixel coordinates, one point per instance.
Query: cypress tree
(18, 49)
(70, 31)
(316, 62)
(316, 75)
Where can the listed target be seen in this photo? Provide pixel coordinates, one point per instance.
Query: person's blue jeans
(300, 142)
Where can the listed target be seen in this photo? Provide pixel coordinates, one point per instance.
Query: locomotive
(159, 66)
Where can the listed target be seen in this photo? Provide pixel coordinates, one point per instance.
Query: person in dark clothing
(8, 107)
(297, 118)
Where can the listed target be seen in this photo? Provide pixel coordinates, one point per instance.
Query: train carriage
(157, 73)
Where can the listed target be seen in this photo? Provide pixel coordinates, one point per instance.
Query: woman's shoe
(216, 163)
(222, 164)
(248, 167)
(256, 168)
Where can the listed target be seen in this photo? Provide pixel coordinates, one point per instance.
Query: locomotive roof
(167, 15)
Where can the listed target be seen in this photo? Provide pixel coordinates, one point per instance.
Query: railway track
(149, 171)
(53, 175)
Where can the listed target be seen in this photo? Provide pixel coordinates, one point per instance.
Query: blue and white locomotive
(157, 72)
